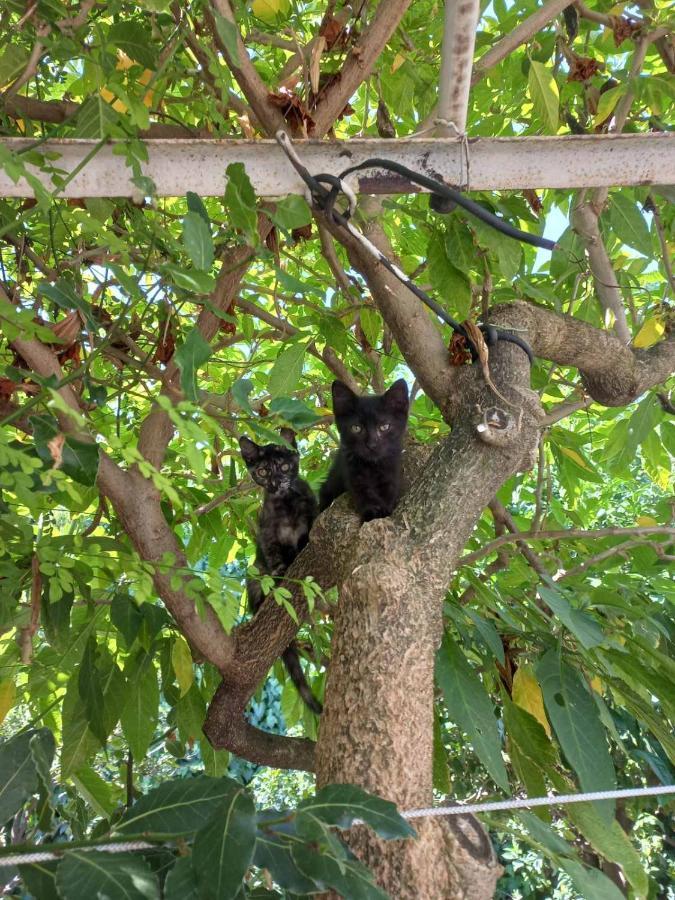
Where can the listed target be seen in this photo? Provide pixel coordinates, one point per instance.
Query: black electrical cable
(325, 199)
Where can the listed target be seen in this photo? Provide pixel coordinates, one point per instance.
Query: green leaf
(530, 750)
(126, 616)
(545, 835)
(63, 294)
(18, 773)
(197, 241)
(181, 882)
(96, 791)
(40, 879)
(583, 627)
(140, 713)
(134, 39)
(459, 246)
(12, 63)
(215, 761)
(448, 282)
(240, 202)
(96, 119)
(181, 660)
(79, 460)
(273, 852)
(178, 807)
(349, 879)
(78, 743)
(470, 707)
(91, 692)
(228, 33)
(241, 390)
(293, 411)
(629, 224)
(190, 714)
(576, 721)
(340, 804)
(223, 848)
(194, 281)
(196, 205)
(287, 370)
(545, 95)
(118, 876)
(608, 101)
(291, 212)
(608, 839)
(371, 323)
(592, 884)
(189, 357)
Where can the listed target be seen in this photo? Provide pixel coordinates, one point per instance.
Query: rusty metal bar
(177, 166)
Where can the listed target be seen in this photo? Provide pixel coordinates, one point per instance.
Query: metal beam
(178, 166)
(459, 38)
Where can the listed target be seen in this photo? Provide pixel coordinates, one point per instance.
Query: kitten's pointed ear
(396, 398)
(249, 450)
(289, 436)
(344, 398)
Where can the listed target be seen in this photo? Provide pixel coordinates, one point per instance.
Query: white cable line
(524, 802)
(25, 859)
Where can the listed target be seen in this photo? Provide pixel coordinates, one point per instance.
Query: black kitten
(288, 510)
(368, 463)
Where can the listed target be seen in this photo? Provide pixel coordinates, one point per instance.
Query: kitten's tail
(291, 660)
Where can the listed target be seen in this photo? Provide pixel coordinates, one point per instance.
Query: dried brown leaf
(55, 447)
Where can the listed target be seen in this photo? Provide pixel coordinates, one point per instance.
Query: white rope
(25, 859)
(524, 802)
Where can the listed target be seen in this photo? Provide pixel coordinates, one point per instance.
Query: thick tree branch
(58, 111)
(418, 338)
(359, 63)
(253, 87)
(613, 374)
(585, 218)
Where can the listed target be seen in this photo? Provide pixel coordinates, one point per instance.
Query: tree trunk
(377, 726)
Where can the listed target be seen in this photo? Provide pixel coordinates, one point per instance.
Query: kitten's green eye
(385, 426)
(356, 429)
(261, 472)
(285, 467)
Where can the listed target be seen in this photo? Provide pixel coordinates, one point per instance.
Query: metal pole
(515, 163)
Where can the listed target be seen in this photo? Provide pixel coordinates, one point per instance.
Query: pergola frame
(180, 165)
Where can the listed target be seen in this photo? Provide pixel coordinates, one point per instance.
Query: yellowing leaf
(596, 684)
(651, 332)
(269, 10)
(578, 459)
(7, 697)
(527, 694)
(181, 660)
(399, 59)
(646, 521)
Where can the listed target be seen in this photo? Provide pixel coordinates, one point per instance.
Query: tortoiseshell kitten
(368, 463)
(288, 510)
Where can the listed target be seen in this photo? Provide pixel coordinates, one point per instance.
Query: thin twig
(571, 534)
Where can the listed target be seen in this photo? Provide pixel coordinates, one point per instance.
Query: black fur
(288, 510)
(368, 463)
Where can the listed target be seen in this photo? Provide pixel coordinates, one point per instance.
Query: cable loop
(442, 199)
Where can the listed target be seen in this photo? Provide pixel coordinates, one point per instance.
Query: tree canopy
(509, 630)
